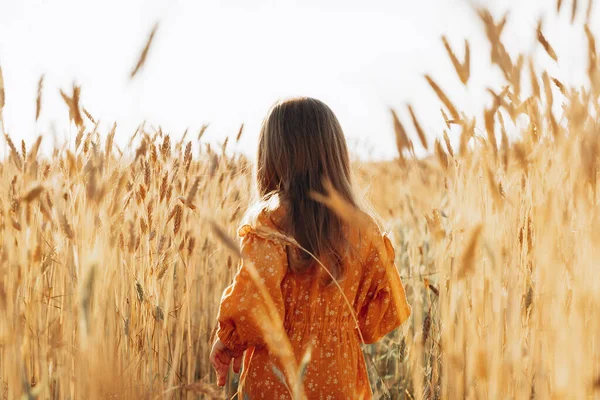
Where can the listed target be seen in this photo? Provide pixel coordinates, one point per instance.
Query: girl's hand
(221, 357)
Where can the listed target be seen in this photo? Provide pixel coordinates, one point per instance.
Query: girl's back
(315, 314)
(282, 304)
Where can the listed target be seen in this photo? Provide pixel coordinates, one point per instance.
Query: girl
(353, 293)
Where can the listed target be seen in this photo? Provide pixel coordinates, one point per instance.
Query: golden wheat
(497, 244)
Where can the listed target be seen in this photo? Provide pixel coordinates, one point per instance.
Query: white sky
(226, 62)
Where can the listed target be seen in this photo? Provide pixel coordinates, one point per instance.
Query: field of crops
(111, 269)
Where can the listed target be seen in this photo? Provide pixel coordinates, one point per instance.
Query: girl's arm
(385, 306)
(244, 315)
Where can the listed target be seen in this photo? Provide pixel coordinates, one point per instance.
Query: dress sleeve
(243, 313)
(385, 306)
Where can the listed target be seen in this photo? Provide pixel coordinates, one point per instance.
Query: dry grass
(112, 264)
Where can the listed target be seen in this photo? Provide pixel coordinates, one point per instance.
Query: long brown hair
(301, 145)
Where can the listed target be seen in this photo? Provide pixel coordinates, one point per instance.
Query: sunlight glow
(226, 62)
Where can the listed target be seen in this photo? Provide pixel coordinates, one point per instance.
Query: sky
(226, 62)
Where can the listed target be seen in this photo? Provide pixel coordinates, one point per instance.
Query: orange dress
(314, 316)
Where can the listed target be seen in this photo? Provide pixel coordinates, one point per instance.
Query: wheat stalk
(144, 54)
(462, 69)
(418, 128)
(544, 42)
(38, 100)
(73, 103)
(442, 96)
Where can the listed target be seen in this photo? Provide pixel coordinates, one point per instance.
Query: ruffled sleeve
(385, 306)
(244, 314)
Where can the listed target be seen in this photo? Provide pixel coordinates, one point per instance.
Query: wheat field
(111, 272)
